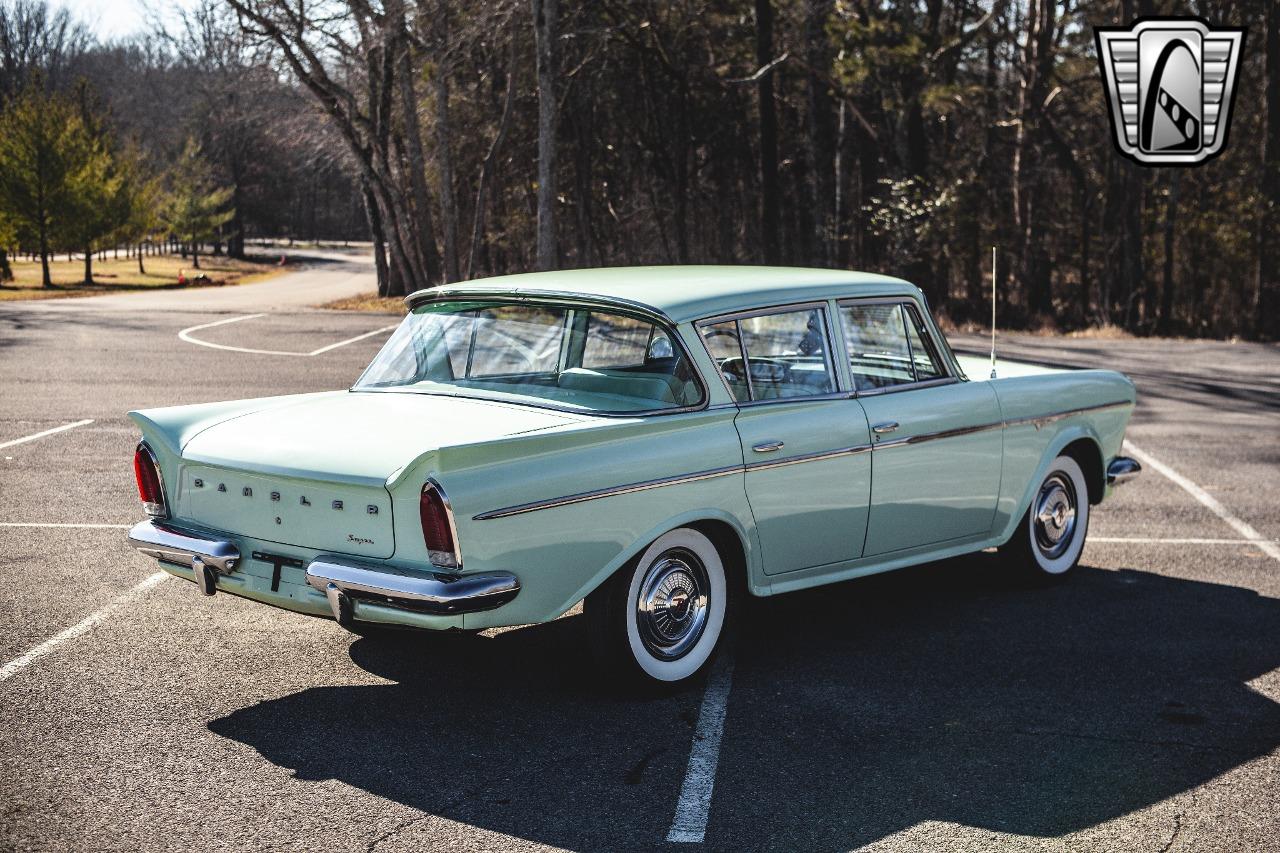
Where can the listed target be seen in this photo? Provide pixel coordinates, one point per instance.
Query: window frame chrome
(624, 307)
(786, 308)
(948, 364)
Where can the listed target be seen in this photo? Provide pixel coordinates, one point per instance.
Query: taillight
(150, 486)
(437, 527)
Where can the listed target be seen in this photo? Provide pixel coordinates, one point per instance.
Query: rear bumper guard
(1121, 470)
(341, 581)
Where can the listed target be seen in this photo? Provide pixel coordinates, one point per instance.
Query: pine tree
(196, 206)
(44, 149)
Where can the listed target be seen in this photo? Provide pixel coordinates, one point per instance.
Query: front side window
(566, 357)
(773, 356)
(887, 346)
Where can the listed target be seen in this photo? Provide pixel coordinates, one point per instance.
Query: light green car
(656, 441)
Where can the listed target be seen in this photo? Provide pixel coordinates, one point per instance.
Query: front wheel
(660, 617)
(1050, 537)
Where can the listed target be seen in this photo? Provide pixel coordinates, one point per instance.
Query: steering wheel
(767, 371)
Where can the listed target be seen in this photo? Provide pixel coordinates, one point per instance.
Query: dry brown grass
(369, 302)
(118, 276)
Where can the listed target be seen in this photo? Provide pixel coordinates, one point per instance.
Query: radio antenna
(993, 312)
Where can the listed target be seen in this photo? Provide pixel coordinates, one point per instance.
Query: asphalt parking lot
(1132, 708)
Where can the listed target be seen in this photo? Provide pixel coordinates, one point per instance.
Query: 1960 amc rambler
(649, 440)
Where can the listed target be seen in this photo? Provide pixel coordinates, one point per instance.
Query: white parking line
(22, 661)
(690, 822)
(1152, 540)
(186, 335)
(59, 524)
(353, 340)
(1242, 527)
(12, 442)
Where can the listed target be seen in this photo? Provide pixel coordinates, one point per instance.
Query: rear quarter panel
(562, 553)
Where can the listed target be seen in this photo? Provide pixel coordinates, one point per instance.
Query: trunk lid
(312, 471)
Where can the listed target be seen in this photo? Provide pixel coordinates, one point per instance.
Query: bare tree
(544, 28)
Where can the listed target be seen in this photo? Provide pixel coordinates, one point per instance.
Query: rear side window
(888, 345)
(773, 356)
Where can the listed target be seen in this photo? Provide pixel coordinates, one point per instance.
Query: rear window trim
(636, 311)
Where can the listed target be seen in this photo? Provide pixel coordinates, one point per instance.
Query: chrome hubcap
(671, 610)
(1055, 516)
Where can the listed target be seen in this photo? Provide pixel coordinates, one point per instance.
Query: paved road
(1135, 707)
(327, 275)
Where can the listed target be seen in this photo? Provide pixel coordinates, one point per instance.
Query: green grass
(118, 276)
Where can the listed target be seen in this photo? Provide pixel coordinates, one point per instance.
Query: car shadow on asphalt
(940, 693)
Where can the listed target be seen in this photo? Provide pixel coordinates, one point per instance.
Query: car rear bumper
(350, 587)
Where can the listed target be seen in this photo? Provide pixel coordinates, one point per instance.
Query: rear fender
(746, 536)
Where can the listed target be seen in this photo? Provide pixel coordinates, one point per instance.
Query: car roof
(683, 293)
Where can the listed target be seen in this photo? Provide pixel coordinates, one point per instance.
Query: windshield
(583, 359)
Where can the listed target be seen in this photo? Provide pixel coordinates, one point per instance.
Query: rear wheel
(1048, 542)
(659, 619)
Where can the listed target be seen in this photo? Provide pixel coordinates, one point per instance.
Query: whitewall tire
(1050, 538)
(661, 616)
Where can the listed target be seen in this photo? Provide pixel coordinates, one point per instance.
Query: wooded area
(900, 136)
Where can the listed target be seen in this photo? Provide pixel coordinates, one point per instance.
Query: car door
(937, 439)
(805, 445)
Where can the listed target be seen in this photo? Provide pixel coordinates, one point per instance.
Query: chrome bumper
(426, 592)
(341, 582)
(1121, 470)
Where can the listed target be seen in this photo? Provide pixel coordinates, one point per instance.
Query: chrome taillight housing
(150, 481)
(438, 531)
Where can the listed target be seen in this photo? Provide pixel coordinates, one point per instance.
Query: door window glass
(786, 355)
(924, 359)
(726, 350)
(888, 345)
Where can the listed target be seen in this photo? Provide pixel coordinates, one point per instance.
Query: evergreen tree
(44, 151)
(196, 206)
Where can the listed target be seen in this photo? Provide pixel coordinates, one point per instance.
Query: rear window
(567, 357)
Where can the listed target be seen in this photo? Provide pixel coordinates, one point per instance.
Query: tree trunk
(1164, 321)
(821, 129)
(448, 205)
(141, 269)
(477, 221)
(45, 279)
(1268, 311)
(88, 265)
(1033, 260)
(195, 254)
(544, 25)
(6, 271)
(424, 229)
(374, 218)
(769, 192)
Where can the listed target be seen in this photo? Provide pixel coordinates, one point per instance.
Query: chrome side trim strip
(581, 497)
(808, 457)
(1041, 420)
(935, 436)
(1038, 421)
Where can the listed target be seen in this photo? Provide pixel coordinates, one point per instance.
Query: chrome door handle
(768, 446)
(885, 428)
